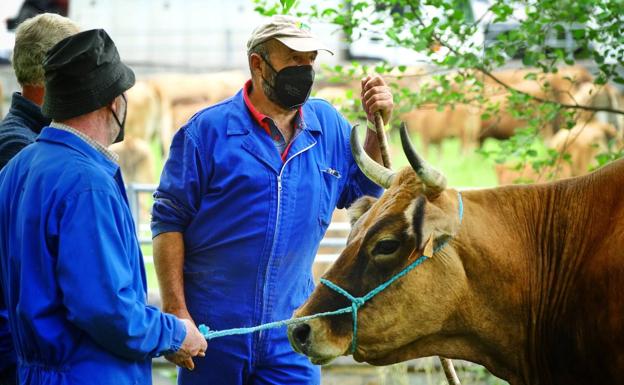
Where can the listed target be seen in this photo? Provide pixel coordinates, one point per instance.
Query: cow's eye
(386, 246)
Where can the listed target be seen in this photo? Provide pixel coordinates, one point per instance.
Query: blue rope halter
(356, 302)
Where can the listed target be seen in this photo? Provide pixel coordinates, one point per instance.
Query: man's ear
(359, 207)
(255, 63)
(114, 105)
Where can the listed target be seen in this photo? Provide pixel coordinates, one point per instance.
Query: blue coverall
(252, 224)
(19, 128)
(71, 271)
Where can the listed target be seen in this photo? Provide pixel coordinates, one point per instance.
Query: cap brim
(304, 44)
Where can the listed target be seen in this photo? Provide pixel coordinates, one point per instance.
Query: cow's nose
(301, 334)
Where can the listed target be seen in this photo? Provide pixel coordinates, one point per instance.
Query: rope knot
(358, 301)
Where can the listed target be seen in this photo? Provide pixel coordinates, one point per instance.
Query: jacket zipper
(277, 223)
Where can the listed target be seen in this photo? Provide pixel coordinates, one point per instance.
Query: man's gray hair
(261, 49)
(33, 38)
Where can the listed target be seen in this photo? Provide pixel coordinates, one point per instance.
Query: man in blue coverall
(24, 121)
(244, 200)
(33, 39)
(71, 271)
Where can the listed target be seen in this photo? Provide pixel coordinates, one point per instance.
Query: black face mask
(122, 123)
(292, 85)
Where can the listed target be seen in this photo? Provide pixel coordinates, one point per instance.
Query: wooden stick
(449, 371)
(381, 139)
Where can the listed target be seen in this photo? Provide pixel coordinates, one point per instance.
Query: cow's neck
(522, 249)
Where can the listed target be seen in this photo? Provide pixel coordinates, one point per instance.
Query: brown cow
(136, 158)
(582, 143)
(600, 96)
(529, 284)
(460, 121)
(191, 89)
(465, 122)
(558, 87)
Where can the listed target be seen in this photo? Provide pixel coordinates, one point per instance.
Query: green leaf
(531, 76)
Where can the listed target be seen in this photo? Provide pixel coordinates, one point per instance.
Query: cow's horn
(433, 180)
(373, 170)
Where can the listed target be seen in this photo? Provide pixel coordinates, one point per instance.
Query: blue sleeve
(357, 184)
(100, 287)
(178, 195)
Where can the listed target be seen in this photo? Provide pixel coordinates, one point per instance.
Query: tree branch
(489, 74)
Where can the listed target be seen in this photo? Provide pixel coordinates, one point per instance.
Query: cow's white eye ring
(386, 246)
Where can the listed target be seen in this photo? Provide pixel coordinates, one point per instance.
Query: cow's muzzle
(310, 338)
(299, 337)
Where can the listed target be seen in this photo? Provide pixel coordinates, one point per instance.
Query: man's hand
(194, 344)
(376, 96)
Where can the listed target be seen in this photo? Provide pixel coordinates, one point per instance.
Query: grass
(470, 170)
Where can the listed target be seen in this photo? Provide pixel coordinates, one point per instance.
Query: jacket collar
(68, 139)
(241, 119)
(260, 145)
(29, 112)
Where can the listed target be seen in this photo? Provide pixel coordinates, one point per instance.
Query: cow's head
(415, 213)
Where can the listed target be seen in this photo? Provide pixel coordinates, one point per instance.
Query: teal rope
(356, 302)
(212, 334)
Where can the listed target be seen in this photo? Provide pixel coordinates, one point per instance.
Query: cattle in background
(529, 284)
(465, 121)
(191, 89)
(136, 158)
(587, 139)
(460, 120)
(599, 96)
(582, 143)
(181, 113)
(550, 86)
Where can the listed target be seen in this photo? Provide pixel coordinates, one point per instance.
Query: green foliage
(615, 151)
(458, 65)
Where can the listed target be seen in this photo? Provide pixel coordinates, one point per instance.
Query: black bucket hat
(83, 73)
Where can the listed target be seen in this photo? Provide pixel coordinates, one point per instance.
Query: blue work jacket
(252, 223)
(71, 271)
(19, 128)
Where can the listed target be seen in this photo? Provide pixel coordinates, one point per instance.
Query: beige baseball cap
(290, 31)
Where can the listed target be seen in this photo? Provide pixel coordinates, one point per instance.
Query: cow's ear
(415, 217)
(359, 207)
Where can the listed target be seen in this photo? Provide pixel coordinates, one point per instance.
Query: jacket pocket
(331, 180)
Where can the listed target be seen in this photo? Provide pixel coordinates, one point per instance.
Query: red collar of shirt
(259, 117)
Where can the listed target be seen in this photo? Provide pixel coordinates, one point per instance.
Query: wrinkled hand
(194, 345)
(376, 96)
